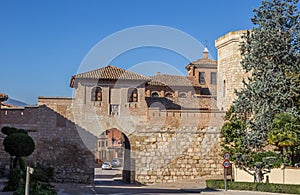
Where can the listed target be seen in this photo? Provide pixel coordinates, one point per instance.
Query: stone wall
(230, 71)
(165, 145)
(174, 154)
(18, 118)
(57, 139)
(60, 146)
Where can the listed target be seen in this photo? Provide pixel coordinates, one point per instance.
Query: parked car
(116, 163)
(106, 166)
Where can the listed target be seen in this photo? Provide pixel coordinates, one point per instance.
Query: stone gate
(172, 123)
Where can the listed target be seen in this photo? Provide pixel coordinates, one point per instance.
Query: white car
(106, 166)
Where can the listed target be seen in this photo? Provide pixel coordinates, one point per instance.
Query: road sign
(226, 164)
(226, 156)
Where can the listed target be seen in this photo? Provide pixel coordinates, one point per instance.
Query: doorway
(112, 157)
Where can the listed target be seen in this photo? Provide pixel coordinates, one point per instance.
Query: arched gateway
(114, 146)
(165, 138)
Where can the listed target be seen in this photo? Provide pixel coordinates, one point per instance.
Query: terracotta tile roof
(109, 73)
(174, 80)
(203, 63)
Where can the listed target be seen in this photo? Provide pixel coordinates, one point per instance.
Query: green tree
(270, 52)
(232, 133)
(19, 145)
(285, 133)
(8, 131)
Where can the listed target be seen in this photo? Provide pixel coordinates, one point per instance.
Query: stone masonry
(168, 138)
(230, 71)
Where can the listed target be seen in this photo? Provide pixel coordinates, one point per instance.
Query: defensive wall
(165, 144)
(174, 151)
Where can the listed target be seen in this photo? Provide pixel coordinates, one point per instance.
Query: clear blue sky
(43, 43)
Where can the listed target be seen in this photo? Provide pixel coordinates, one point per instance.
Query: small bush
(14, 180)
(262, 187)
(43, 174)
(37, 188)
(39, 182)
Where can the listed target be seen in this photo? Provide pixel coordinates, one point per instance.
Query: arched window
(154, 94)
(96, 94)
(169, 95)
(132, 95)
(182, 95)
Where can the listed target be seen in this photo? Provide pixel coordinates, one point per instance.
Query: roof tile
(112, 73)
(174, 80)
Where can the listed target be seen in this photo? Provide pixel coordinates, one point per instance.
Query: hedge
(250, 186)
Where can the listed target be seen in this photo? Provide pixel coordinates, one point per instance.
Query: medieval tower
(230, 71)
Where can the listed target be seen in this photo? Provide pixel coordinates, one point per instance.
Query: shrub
(39, 182)
(19, 144)
(43, 174)
(263, 187)
(37, 188)
(14, 180)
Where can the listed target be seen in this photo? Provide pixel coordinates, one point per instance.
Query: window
(182, 95)
(224, 88)
(132, 95)
(213, 78)
(154, 94)
(169, 95)
(113, 140)
(114, 109)
(96, 94)
(202, 77)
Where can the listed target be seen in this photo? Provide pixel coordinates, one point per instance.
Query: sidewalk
(195, 187)
(180, 188)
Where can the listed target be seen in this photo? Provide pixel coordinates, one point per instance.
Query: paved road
(109, 182)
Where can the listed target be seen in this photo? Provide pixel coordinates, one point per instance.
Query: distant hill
(15, 102)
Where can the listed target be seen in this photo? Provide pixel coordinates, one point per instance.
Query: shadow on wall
(60, 146)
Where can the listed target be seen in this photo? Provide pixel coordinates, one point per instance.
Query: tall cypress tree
(270, 53)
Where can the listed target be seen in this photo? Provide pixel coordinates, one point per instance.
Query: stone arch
(182, 95)
(155, 94)
(117, 142)
(169, 94)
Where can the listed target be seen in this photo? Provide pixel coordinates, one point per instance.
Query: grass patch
(250, 186)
